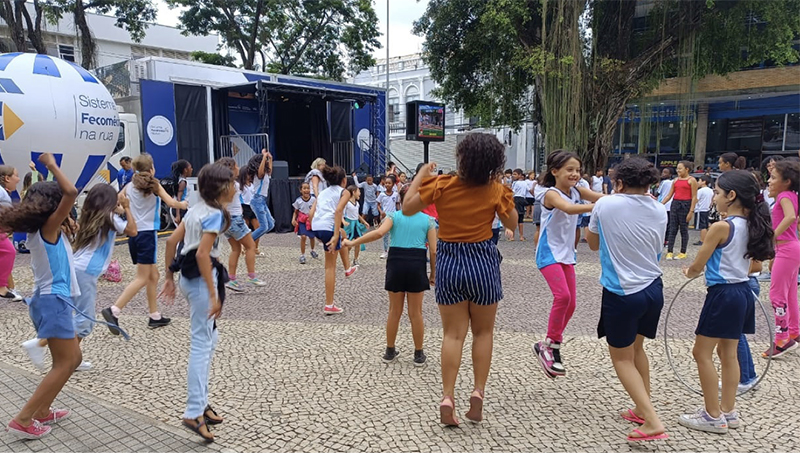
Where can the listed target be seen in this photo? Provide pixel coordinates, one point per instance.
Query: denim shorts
(52, 316)
(238, 229)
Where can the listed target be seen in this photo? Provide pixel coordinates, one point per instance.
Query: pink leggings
(7, 255)
(783, 290)
(561, 279)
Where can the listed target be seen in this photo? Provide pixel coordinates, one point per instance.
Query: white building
(410, 80)
(113, 43)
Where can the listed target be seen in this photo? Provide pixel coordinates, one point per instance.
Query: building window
(394, 107)
(412, 93)
(744, 135)
(66, 53)
(792, 132)
(773, 133)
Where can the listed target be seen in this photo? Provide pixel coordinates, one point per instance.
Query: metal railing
(242, 147)
(343, 155)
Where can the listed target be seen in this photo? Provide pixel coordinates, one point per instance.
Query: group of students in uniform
(464, 268)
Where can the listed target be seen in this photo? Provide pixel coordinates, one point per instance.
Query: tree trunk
(88, 46)
(35, 31)
(12, 15)
(251, 45)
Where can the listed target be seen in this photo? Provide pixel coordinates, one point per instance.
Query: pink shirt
(777, 216)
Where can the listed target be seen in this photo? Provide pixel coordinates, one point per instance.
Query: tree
(213, 58)
(13, 15)
(316, 37)
(132, 15)
(573, 65)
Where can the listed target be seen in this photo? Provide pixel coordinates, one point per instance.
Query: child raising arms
(302, 207)
(729, 308)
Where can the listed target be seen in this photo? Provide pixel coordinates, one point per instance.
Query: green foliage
(323, 38)
(213, 58)
(132, 15)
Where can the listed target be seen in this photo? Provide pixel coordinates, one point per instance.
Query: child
(555, 254)
(181, 170)
(9, 178)
(538, 195)
(784, 185)
(42, 214)
(583, 219)
(354, 225)
(468, 283)
(520, 187)
(529, 198)
(239, 236)
(370, 189)
(302, 207)
(729, 308)
(202, 279)
(246, 186)
(508, 177)
(683, 195)
(259, 170)
(94, 245)
(633, 293)
(326, 219)
(387, 203)
(406, 273)
(145, 194)
(663, 189)
(704, 196)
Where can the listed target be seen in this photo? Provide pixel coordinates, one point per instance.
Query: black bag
(170, 185)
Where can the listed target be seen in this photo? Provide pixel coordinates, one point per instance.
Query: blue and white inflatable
(48, 105)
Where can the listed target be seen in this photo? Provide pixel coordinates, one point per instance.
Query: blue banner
(158, 124)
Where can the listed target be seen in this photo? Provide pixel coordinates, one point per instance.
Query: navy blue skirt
(728, 312)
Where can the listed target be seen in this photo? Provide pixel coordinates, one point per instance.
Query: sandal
(475, 412)
(631, 416)
(196, 428)
(640, 436)
(211, 416)
(446, 411)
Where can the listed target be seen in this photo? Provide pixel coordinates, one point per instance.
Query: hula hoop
(669, 353)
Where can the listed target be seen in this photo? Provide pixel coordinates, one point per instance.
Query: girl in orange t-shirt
(467, 280)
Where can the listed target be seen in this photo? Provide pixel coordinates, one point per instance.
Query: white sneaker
(384, 255)
(35, 353)
(701, 421)
(84, 366)
(17, 296)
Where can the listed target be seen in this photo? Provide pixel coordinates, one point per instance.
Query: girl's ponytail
(759, 225)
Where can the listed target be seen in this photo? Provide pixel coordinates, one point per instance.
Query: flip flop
(632, 417)
(644, 436)
(196, 429)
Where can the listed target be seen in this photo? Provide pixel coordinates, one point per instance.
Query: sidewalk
(92, 425)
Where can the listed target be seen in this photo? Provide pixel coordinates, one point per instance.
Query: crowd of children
(451, 221)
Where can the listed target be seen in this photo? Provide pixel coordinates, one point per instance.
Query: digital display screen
(431, 122)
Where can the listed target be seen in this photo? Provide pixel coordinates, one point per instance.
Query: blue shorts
(238, 229)
(52, 316)
(370, 207)
(728, 312)
(468, 271)
(325, 237)
(624, 317)
(585, 221)
(144, 247)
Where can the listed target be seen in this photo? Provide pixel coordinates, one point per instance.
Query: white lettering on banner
(159, 130)
(94, 120)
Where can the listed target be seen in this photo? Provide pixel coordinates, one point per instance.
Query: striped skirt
(468, 271)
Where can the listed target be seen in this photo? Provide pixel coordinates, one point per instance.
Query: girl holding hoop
(729, 308)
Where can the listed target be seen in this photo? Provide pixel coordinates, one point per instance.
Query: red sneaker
(332, 310)
(55, 416)
(350, 271)
(34, 431)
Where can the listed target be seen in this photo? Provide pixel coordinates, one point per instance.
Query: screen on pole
(425, 121)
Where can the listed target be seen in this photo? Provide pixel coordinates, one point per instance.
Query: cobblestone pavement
(288, 378)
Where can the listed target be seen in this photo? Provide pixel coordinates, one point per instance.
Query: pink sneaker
(34, 431)
(549, 357)
(55, 416)
(332, 310)
(350, 271)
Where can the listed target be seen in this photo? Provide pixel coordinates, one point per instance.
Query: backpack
(170, 185)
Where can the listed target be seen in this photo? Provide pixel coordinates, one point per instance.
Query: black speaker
(280, 170)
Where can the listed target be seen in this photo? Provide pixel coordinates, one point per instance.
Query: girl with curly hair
(467, 275)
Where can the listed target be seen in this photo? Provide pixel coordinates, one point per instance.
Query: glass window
(412, 93)
(773, 132)
(394, 107)
(717, 130)
(630, 137)
(744, 134)
(66, 53)
(793, 132)
(121, 140)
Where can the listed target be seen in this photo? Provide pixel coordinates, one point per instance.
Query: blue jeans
(203, 342)
(265, 221)
(746, 366)
(84, 303)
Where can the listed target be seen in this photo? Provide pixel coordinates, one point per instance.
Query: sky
(402, 14)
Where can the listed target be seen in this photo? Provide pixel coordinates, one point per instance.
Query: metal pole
(387, 81)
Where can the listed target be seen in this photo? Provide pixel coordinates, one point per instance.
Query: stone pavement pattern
(288, 378)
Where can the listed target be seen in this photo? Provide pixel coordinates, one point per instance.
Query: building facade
(113, 43)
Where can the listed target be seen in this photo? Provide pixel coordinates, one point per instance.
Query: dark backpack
(170, 185)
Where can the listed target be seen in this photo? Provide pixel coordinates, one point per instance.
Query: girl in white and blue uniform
(729, 308)
(259, 169)
(633, 293)
(202, 284)
(555, 252)
(181, 169)
(145, 194)
(42, 214)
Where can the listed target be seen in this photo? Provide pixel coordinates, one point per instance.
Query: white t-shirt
(325, 213)
(146, 209)
(531, 186)
(389, 202)
(235, 206)
(351, 211)
(261, 185)
(663, 191)
(597, 184)
(95, 258)
(246, 195)
(304, 206)
(322, 183)
(704, 197)
(5, 198)
(630, 244)
(538, 193)
(582, 183)
(727, 263)
(557, 237)
(202, 219)
(519, 188)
